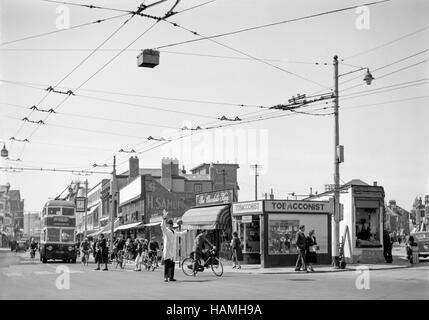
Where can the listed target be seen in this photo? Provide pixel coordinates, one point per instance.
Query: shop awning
(91, 211)
(151, 224)
(209, 218)
(128, 226)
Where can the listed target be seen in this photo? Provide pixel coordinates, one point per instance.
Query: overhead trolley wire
(246, 54)
(387, 43)
(272, 24)
(62, 30)
(90, 6)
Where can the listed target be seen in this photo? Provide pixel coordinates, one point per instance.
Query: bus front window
(53, 235)
(68, 212)
(54, 211)
(67, 235)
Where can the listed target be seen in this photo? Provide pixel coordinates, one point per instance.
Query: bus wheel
(44, 260)
(73, 260)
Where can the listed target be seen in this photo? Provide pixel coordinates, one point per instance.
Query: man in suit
(300, 246)
(169, 249)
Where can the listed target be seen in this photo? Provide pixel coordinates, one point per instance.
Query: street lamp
(4, 152)
(338, 158)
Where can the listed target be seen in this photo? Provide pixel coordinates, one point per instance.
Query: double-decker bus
(57, 238)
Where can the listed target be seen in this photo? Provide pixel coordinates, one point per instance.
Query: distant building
(397, 219)
(11, 214)
(32, 224)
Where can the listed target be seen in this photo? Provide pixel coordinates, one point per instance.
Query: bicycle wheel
(217, 267)
(188, 266)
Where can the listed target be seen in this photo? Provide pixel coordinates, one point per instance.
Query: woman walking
(310, 250)
(139, 258)
(101, 254)
(237, 254)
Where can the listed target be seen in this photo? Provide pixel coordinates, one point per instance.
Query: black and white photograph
(222, 152)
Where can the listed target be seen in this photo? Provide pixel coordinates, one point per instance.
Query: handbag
(314, 248)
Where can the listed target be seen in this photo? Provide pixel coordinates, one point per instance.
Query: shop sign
(247, 207)
(80, 204)
(246, 219)
(60, 221)
(215, 197)
(159, 198)
(131, 191)
(297, 206)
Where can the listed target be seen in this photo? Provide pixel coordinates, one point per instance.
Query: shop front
(212, 213)
(267, 229)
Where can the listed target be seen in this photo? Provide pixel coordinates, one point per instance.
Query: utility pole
(113, 188)
(336, 220)
(256, 167)
(85, 205)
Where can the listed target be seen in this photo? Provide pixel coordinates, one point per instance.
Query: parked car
(21, 245)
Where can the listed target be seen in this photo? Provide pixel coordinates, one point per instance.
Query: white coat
(170, 240)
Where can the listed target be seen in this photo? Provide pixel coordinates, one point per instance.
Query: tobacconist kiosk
(267, 229)
(361, 225)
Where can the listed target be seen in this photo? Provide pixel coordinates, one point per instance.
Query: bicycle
(120, 259)
(152, 262)
(212, 262)
(85, 257)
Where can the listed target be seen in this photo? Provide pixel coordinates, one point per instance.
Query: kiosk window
(53, 235)
(367, 227)
(281, 236)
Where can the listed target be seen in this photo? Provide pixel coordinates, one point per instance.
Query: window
(54, 211)
(198, 187)
(367, 228)
(281, 236)
(249, 234)
(68, 212)
(67, 235)
(53, 235)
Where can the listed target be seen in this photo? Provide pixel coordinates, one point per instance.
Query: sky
(383, 127)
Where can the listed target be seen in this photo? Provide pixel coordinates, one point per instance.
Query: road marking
(43, 272)
(14, 274)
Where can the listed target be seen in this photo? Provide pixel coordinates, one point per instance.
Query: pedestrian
(410, 244)
(311, 248)
(169, 249)
(101, 253)
(300, 242)
(153, 251)
(387, 246)
(139, 257)
(237, 253)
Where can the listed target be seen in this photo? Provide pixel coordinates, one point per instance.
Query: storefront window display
(367, 228)
(249, 234)
(281, 236)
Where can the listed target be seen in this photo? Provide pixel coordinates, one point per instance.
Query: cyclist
(199, 245)
(129, 249)
(33, 247)
(153, 252)
(85, 247)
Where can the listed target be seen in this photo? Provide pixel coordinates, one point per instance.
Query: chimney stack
(134, 170)
(375, 183)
